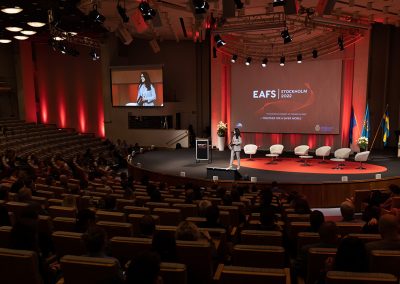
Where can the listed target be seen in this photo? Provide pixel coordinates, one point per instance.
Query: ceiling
(255, 30)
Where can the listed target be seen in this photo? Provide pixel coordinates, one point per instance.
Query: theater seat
(250, 149)
(341, 277)
(258, 237)
(316, 262)
(385, 261)
(173, 273)
(258, 256)
(19, 266)
(68, 243)
(125, 248)
(88, 270)
(241, 275)
(115, 229)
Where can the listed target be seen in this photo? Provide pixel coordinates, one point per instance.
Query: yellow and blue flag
(385, 127)
(353, 123)
(365, 129)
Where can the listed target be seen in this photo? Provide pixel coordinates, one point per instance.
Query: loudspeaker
(224, 174)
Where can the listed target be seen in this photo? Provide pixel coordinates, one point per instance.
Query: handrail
(177, 138)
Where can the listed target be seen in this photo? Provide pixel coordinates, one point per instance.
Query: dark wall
(384, 80)
(8, 82)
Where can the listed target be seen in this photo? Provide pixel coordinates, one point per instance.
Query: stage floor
(287, 170)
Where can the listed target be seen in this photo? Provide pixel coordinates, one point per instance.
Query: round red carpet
(293, 166)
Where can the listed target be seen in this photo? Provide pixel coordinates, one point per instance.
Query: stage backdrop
(349, 89)
(297, 98)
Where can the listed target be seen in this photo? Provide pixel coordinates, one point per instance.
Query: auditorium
(199, 141)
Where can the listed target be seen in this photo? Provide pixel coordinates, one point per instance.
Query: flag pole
(380, 125)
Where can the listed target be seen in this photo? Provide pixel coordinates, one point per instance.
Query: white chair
(361, 157)
(340, 156)
(301, 150)
(274, 152)
(250, 149)
(323, 152)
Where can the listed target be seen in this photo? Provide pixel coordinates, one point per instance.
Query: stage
(287, 170)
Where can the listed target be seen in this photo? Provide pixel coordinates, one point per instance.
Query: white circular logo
(317, 127)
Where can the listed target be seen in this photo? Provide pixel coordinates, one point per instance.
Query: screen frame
(136, 68)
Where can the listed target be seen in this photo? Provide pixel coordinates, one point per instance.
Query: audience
(389, 230)
(165, 245)
(212, 218)
(144, 269)
(187, 231)
(317, 218)
(347, 211)
(147, 226)
(351, 256)
(84, 220)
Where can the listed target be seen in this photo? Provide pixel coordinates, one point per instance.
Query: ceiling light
(14, 29)
(147, 12)
(21, 37)
(286, 36)
(264, 62)
(299, 58)
(94, 55)
(219, 41)
(58, 38)
(4, 40)
(12, 10)
(122, 12)
(315, 53)
(234, 58)
(95, 16)
(248, 61)
(200, 6)
(36, 24)
(282, 61)
(72, 33)
(25, 32)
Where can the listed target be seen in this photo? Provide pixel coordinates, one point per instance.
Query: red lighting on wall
(312, 141)
(61, 110)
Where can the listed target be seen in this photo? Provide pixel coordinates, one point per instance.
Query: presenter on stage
(235, 147)
(146, 92)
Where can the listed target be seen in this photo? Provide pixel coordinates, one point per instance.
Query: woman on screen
(235, 147)
(146, 92)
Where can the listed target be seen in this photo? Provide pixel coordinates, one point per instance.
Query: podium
(203, 150)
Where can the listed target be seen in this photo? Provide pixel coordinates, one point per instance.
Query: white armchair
(340, 156)
(323, 152)
(361, 157)
(250, 149)
(274, 152)
(301, 150)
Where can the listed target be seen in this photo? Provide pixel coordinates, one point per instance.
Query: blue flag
(353, 123)
(365, 129)
(385, 127)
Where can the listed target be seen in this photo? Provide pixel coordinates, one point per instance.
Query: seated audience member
(108, 203)
(189, 196)
(328, 239)
(165, 245)
(187, 231)
(95, 240)
(155, 196)
(147, 226)
(64, 182)
(371, 216)
(268, 220)
(394, 192)
(301, 206)
(317, 218)
(24, 195)
(227, 199)
(69, 201)
(389, 230)
(347, 211)
(84, 220)
(212, 218)
(351, 256)
(203, 205)
(17, 185)
(144, 269)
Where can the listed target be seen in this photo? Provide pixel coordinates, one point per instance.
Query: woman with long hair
(146, 92)
(235, 147)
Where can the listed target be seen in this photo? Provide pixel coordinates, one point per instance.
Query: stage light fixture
(147, 12)
(278, 3)
(234, 58)
(315, 53)
(200, 6)
(95, 16)
(94, 54)
(239, 4)
(122, 12)
(264, 62)
(299, 58)
(286, 36)
(282, 61)
(248, 61)
(341, 43)
(219, 41)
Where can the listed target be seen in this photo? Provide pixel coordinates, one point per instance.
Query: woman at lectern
(146, 92)
(235, 147)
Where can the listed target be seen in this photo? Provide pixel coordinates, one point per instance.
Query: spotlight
(234, 58)
(239, 4)
(299, 58)
(341, 43)
(248, 61)
(214, 52)
(315, 53)
(122, 12)
(219, 41)
(264, 62)
(147, 12)
(95, 16)
(200, 6)
(94, 55)
(282, 61)
(63, 48)
(286, 36)
(278, 3)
